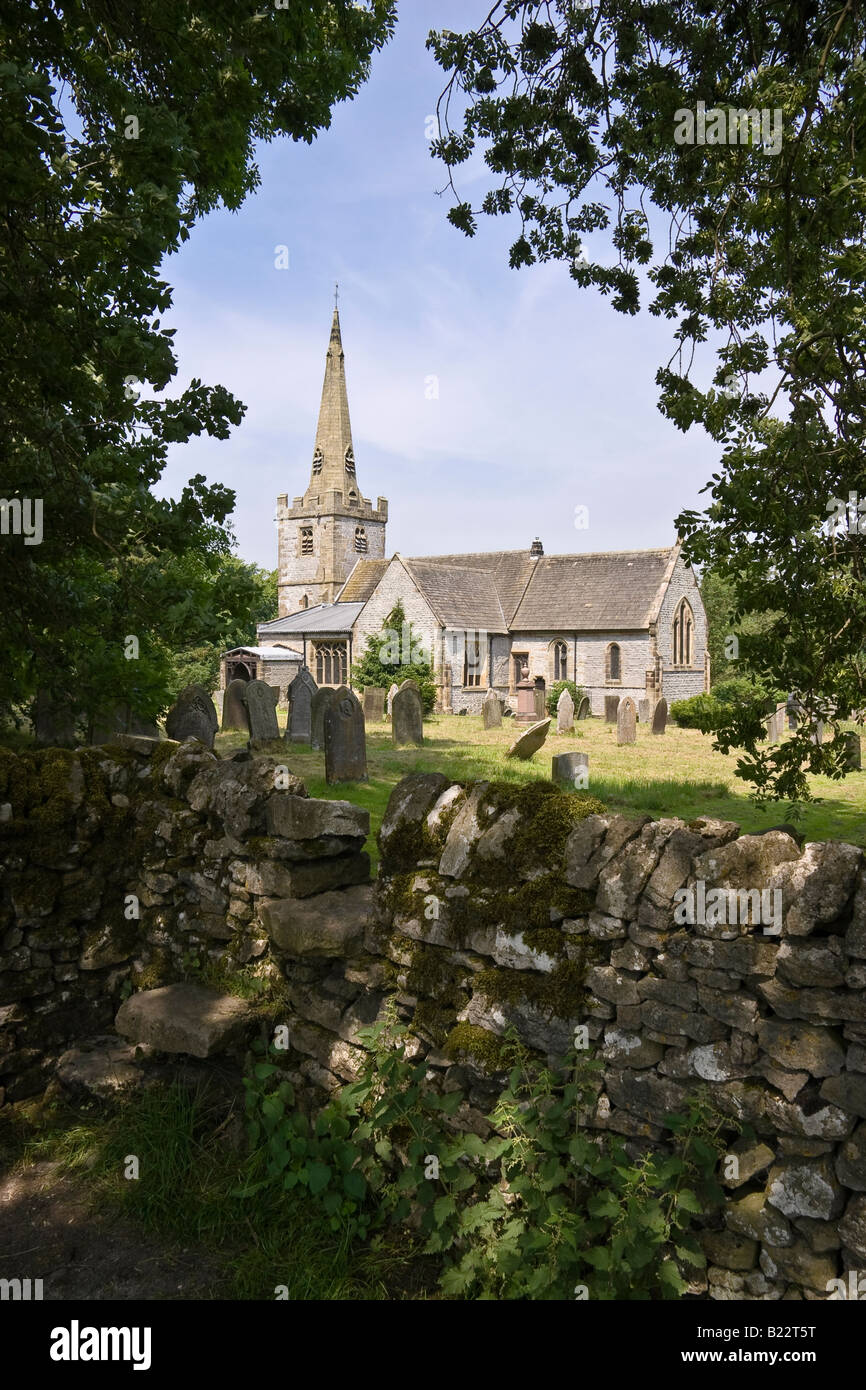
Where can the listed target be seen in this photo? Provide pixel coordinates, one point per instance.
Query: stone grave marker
(392, 691)
(321, 700)
(539, 696)
(192, 716)
(564, 713)
(584, 709)
(626, 721)
(410, 684)
(374, 704)
(301, 692)
(852, 751)
(407, 717)
(643, 711)
(660, 716)
(261, 702)
(611, 705)
(530, 740)
(818, 737)
(235, 714)
(218, 697)
(491, 710)
(345, 738)
(571, 770)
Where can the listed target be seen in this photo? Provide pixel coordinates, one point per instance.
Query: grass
(678, 774)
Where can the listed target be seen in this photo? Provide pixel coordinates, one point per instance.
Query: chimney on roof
(536, 548)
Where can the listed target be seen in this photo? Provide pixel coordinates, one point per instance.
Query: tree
(396, 654)
(119, 127)
(714, 152)
(236, 588)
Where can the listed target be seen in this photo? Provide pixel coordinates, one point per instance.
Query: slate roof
(362, 581)
(268, 653)
(617, 589)
(324, 617)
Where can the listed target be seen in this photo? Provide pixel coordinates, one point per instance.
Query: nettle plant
(539, 1209)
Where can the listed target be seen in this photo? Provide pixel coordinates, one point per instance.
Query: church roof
(362, 581)
(323, 618)
(461, 596)
(616, 589)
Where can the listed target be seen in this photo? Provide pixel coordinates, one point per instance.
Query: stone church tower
(324, 533)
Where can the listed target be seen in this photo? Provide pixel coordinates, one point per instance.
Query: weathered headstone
(345, 740)
(611, 705)
(530, 740)
(410, 684)
(775, 724)
(643, 711)
(626, 721)
(321, 700)
(491, 710)
(192, 716)
(218, 697)
(571, 770)
(660, 716)
(261, 702)
(407, 717)
(540, 698)
(564, 713)
(374, 704)
(584, 709)
(301, 692)
(818, 737)
(392, 691)
(235, 714)
(852, 752)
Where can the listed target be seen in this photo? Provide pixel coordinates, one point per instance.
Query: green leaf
(318, 1177)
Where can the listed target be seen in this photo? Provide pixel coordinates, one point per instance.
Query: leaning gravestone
(571, 770)
(643, 711)
(583, 709)
(491, 710)
(321, 700)
(374, 704)
(192, 716)
(530, 741)
(345, 740)
(564, 713)
(261, 702)
(852, 752)
(407, 717)
(660, 716)
(389, 697)
(301, 692)
(235, 714)
(611, 705)
(626, 721)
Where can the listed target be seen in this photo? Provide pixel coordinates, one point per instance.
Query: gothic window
(560, 661)
(331, 663)
(472, 660)
(350, 462)
(683, 634)
(306, 540)
(360, 540)
(613, 664)
(318, 460)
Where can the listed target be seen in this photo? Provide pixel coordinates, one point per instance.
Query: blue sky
(547, 398)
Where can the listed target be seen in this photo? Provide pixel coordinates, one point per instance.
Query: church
(625, 622)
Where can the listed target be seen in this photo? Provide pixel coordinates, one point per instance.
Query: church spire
(333, 467)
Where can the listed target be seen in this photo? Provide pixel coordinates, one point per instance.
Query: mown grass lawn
(677, 774)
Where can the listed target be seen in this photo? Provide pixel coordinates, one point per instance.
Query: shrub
(698, 712)
(576, 692)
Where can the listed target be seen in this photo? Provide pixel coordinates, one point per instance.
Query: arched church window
(331, 663)
(360, 540)
(683, 634)
(318, 460)
(613, 663)
(560, 661)
(350, 462)
(306, 540)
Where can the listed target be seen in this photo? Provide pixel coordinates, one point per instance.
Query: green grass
(678, 774)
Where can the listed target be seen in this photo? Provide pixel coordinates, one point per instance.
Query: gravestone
(660, 716)
(530, 741)
(571, 770)
(261, 702)
(374, 703)
(626, 721)
(643, 711)
(192, 716)
(583, 709)
(491, 710)
(218, 697)
(775, 724)
(406, 717)
(235, 714)
(818, 737)
(564, 713)
(540, 697)
(410, 684)
(345, 740)
(611, 705)
(392, 691)
(321, 700)
(852, 752)
(301, 692)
